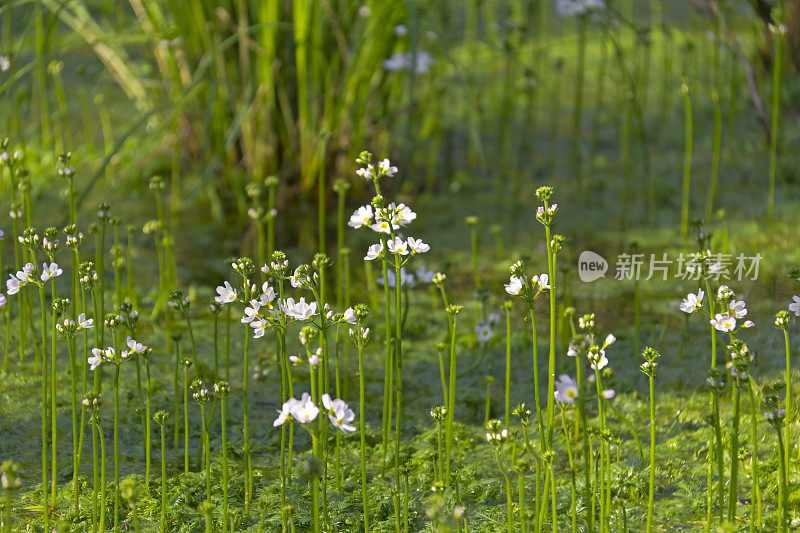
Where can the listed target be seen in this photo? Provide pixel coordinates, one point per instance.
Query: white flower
(50, 271)
(12, 285)
(251, 312)
(543, 281)
(610, 339)
(3, 300)
(794, 307)
(514, 286)
(225, 294)
(339, 413)
(748, 324)
(597, 357)
(738, 309)
(95, 359)
(259, 328)
(84, 323)
(285, 413)
(386, 166)
(375, 251)
(361, 217)
(299, 310)
(398, 246)
(573, 350)
(365, 173)
(349, 316)
(608, 394)
(304, 411)
(723, 323)
(5, 63)
(417, 246)
(100, 356)
(724, 292)
(566, 389)
(692, 302)
(400, 30)
(381, 226)
(135, 347)
(484, 332)
(296, 280)
(400, 215)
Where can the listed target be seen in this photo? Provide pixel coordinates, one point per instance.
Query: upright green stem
(185, 419)
(45, 500)
(687, 159)
(223, 423)
(53, 413)
(162, 512)
(362, 431)
(147, 427)
(782, 498)
(508, 366)
(777, 74)
(755, 497)
(116, 445)
(652, 475)
(451, 402)
(789, 404)
(733, 495)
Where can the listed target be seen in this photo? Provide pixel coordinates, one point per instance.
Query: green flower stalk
(186, 364)
(340, 186)
(507, 306)
(687, 158)
(222, 390)
(94, 405)
(180, 303)
(782, 320)
(452, 311)
(740, 361)
(439, 414)
(216, 308)
(648, 367)
(716, 150)
(496, 437)
(359, 337)
(68, 330)
(130, 290)
(161, 418)
(271, 183)
(147, 433)
(244, 267)
(176, 338)
(778, 29)
(203, 396)
(572, 489)
(776, 417)
(487, 411)
(755, 496)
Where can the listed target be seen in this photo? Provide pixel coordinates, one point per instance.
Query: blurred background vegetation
(476, 102)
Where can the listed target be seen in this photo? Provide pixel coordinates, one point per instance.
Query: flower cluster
(109, 355)
(304, 411)
(731, 309)
(528, 288)
(494, 434)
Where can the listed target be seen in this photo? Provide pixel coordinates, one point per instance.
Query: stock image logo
(591, 266)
